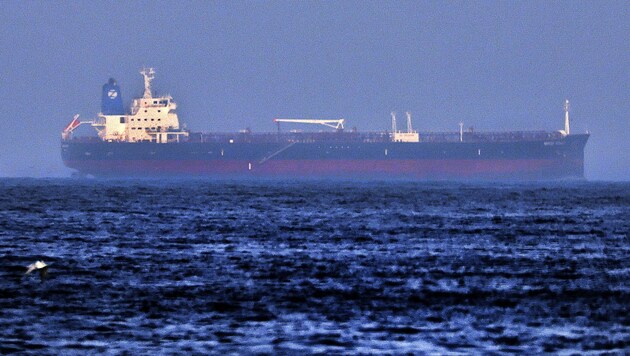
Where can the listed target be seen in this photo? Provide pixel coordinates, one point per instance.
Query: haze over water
(314, 267)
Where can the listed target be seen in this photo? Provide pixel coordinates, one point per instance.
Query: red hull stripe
(415, 168)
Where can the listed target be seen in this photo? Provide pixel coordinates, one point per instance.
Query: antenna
(566, 117)
(409, 128)
(393, 121)
(148, 74)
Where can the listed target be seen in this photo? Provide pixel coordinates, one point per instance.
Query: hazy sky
(229, 65)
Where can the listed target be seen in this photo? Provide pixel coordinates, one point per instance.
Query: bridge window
(122, 119)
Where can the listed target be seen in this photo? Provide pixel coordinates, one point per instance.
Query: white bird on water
(39, 265)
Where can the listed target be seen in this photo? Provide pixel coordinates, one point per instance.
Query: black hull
(561, 158)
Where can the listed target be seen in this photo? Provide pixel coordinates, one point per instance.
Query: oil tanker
(148, 141)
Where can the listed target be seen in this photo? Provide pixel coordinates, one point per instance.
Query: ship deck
(353, 136)
(367, 137)
(370, 137)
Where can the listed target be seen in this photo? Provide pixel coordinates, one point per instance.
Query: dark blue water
(314, 267)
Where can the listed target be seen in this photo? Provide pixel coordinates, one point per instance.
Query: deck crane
(334, 123)
(67, 132)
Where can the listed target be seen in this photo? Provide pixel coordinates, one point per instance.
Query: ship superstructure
(151, 119)
(149, 141)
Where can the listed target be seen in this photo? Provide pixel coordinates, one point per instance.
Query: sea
(313, 267)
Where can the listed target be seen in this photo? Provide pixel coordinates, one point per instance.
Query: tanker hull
(560, 158)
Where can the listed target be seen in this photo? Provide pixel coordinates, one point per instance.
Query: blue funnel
(111, 102)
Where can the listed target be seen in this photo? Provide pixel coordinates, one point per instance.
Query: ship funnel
(111, 101)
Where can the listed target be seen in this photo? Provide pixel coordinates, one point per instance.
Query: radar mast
(148, 74)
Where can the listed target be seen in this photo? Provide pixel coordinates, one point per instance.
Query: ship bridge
(151, 119)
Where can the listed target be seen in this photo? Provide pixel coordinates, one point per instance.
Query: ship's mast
(148, 74)
(409, 128)
(566, 117)
(393, 121)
